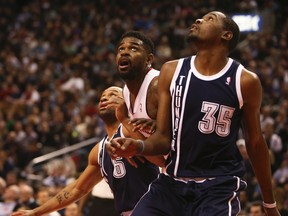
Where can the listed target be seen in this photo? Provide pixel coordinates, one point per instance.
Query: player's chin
(190, 38)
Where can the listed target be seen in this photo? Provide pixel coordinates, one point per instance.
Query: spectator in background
(20, 133)
(72, 210)
(280, 195)
(5, 164)
(43, 196)
(163, 51)
(249, 174)
(30, 96)
(26, 197)
(285, 186)
(281, 173)
(58, 172)
(2, 188)
(12, 178)
(256, 209)
(10, 200)
(266, 116)
(75, 83)
(274, 143)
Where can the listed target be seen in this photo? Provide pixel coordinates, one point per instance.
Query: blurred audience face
(26, 193)
(11, 193)
(11, 178)
(42, 196)
(256, 210)
(2, 186)
(71, 210)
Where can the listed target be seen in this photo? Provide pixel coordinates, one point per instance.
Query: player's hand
(147, 125)
(124, 147)
(23, 213)
(119, 105)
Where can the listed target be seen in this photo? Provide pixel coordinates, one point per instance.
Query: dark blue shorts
(169, 197)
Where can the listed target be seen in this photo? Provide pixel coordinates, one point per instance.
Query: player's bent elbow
(165, 149)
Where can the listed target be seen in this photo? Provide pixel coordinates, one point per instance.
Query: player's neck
(210, 63)
(111, 129)
(134, 86)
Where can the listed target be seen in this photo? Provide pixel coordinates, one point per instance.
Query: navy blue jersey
(206, 115)
(127, 183)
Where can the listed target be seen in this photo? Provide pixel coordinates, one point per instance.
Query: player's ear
(150, 59)
(227, 35)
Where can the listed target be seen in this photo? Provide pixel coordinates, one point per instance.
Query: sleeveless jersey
(127, 183)
(140, 106)
(206, 114)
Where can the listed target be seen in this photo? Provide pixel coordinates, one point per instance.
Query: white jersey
(102, 190)
(140, 105)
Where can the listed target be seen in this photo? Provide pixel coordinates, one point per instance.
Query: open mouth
(123, 63)
(101, 107)
(193, 27)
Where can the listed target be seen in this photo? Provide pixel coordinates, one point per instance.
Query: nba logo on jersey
(228, 80)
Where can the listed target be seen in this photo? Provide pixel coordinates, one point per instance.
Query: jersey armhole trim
(238, 85)
(175, 75)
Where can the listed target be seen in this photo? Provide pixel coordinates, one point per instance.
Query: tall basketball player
(203, 101)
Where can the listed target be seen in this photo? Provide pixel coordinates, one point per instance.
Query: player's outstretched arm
(72, 192)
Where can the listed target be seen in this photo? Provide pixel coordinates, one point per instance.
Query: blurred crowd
(56, 58)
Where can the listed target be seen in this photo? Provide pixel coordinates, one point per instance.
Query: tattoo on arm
(59, 197)
(66, 194)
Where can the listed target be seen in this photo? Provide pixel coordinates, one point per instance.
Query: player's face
(256, 211)
(131, 58)
(208, 28)
(108, 95)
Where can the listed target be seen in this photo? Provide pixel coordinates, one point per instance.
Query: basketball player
(203, 102)
(127, 182)
(134, 65)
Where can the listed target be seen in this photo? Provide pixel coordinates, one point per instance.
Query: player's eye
(209, 18)
(112, 95)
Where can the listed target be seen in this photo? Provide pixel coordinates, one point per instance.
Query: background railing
(34, 166)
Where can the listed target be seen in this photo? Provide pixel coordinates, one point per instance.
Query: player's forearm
(156, 144)
(260, 160)
(60, 201)
(157, 160)
(129, 128)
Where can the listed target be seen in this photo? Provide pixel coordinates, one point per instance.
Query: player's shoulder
(250, 83)
(169, 66)
(93, 154)
(171, 63)
(249, 77)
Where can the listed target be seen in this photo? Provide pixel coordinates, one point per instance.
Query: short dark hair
(147, 42)
(255, 204)
(230, 25)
